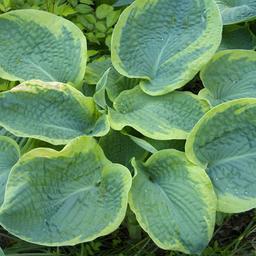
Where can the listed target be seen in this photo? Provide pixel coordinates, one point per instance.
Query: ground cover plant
(142, 111)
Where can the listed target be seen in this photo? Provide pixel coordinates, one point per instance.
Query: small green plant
(80, 142)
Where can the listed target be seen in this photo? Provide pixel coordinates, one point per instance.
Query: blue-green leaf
(65, 198)
(52, 112)
(165, 43)
(39, 45)
(224, 142)
(174, 202)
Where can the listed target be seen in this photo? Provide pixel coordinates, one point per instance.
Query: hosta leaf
(53, 112)
(165, 43)
(165, 117)
(115, 84)
(237, 37)
(143, 143)
(68, 197)
(224, 141)
(39, 45)
(100, 93)
(174, 202)
(120, 148)
(236, 11)
(95, 70)
(19, 140)
(229, 75)
(9, 155)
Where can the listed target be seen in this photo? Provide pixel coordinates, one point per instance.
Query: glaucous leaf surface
(224, 142)
(174, 202)
(236, 11)
(164, 42)
(120, 148)
(9, 155)
(53, 112)
(68, 197)
(237, 37)
(231, 74)
(164, 117)
(39, 45)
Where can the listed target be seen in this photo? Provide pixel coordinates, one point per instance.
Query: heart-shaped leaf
(231, 74)
(53, 112)
(165, 117)
(224, 141)
(39, 45)
(174, 202)
(165, 43)
(65, 198)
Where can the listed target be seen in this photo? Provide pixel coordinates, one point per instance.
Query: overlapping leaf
(165, 117)
(174, 202)
(165, 43)
(39, 45)
(229, 75)
(237, 37)
(64, 198)
(236, 11)
(115, 83)
(120, 148)
(224, 141)
(53, 112)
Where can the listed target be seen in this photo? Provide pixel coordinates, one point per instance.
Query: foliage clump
(150, 107)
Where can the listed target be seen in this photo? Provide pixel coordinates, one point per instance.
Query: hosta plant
(79, 143)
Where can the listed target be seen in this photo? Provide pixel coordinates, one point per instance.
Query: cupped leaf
(39, 45)
(64, 198)
(120, 148)
(9, 155)
(237, 37)
(174, 202)
(165, 117)
(165, 43)
(236, 11)
(224, 141)
(53, 112)
(231, 74)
